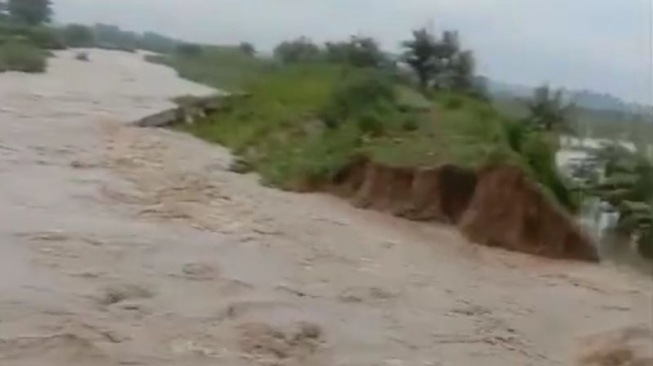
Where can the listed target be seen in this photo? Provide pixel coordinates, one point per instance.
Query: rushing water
(600, 220)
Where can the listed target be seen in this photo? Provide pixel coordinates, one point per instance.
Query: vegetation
(628, 186)
(30, 12)
(440, 63)
(23, 38)
(588, 123)
(26, 37)
(22, 56)
(219, 66)
(313, 108)
(548, 110)
(248, 49)
(299, 50)
(112, 37)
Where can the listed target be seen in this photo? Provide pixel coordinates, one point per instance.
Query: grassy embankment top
(24, 48)
(305, 121)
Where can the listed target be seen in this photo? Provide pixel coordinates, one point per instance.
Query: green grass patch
(23, 57)
(303, 123)
(226, 68)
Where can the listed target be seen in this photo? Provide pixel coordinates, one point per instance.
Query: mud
(130, 246)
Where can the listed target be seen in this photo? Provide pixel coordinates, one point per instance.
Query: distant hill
(596, 115)
(582, 98)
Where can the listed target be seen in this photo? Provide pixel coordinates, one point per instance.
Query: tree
(247, 48)
(77, 35)
(32, 12)
(441, 63)
(549, 111)
(419, 55)
(463, 67)
(299, 50)
(446, 55)
(358, 51)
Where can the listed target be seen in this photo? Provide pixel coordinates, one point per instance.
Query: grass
(25, 48)
(458, 130)
(226, 68)
(304, 123)
(23, 57)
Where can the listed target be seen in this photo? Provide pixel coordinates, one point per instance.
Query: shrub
(23, 57)
(453, 102)
(538, 152)
(358, 98)
(189, 49)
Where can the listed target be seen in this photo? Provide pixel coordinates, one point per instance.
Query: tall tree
(549, 110)
(419, 55)
(32, 12)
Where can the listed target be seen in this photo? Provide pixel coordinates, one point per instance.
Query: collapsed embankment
(495, 206)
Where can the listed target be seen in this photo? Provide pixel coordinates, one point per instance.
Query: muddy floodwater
(128, 246)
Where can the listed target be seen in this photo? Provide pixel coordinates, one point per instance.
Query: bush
(189, 49)
(23, 57)
(453, 102)
(359, 99)
(538, 152)
(41, 37)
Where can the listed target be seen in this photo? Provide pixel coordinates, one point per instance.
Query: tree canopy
(440, 62)
(32, 12)
(549, 110)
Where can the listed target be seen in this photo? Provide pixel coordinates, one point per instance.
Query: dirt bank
(497, 206)
(508, 210)
(128, 246)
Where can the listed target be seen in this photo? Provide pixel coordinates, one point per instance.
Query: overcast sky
(602, 45)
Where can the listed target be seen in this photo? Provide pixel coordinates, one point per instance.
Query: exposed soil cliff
(508, 210)
(498, 206)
